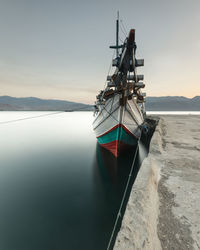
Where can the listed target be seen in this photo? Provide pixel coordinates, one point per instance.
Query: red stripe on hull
(115, 147)
(116, 126)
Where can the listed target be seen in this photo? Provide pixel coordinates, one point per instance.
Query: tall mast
(117, 46)
(117, 35)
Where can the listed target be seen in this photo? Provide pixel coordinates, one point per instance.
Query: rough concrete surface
(163, 211)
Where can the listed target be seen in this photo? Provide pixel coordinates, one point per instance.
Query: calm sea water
(58, 188)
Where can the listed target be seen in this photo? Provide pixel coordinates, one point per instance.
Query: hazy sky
(59, 48)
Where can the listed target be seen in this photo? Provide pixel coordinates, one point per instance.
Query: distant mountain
(8, 103)
(165, 103)
(173, 103)
(7, 107)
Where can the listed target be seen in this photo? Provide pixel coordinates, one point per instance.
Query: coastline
(163, 211)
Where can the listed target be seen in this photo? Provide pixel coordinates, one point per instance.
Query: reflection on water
(111, 168)
(112, 176)
(58, 188)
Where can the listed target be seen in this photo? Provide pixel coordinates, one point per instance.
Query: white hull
(112, 114)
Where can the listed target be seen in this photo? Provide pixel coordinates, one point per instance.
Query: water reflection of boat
(112, 168)
(107, 164)
(120, 106)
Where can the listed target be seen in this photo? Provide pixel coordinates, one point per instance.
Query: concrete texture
(163, 211)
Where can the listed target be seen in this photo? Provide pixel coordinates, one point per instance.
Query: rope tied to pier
(30, 117)
(48, 114)
(123, 198)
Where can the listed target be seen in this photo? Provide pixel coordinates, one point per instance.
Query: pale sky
(59, 49)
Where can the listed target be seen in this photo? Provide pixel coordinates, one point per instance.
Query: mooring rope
(37, 116)
(30, 117)
(123, 198)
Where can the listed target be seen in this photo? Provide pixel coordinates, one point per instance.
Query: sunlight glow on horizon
(48, 53)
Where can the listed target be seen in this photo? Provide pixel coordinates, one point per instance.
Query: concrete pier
(163, 211)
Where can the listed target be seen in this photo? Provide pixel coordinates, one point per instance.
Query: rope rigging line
(110, 113)
(109, 69)
(121, 40)
(123, 198)
(125, 30)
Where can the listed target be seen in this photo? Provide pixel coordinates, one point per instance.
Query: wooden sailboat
(119, 108)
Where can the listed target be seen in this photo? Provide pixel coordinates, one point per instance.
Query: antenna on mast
(117, 35)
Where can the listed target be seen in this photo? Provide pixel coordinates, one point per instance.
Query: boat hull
(118, 127)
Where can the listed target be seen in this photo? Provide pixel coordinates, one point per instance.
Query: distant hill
(173, 103)
(165, 103)
(8, 103)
